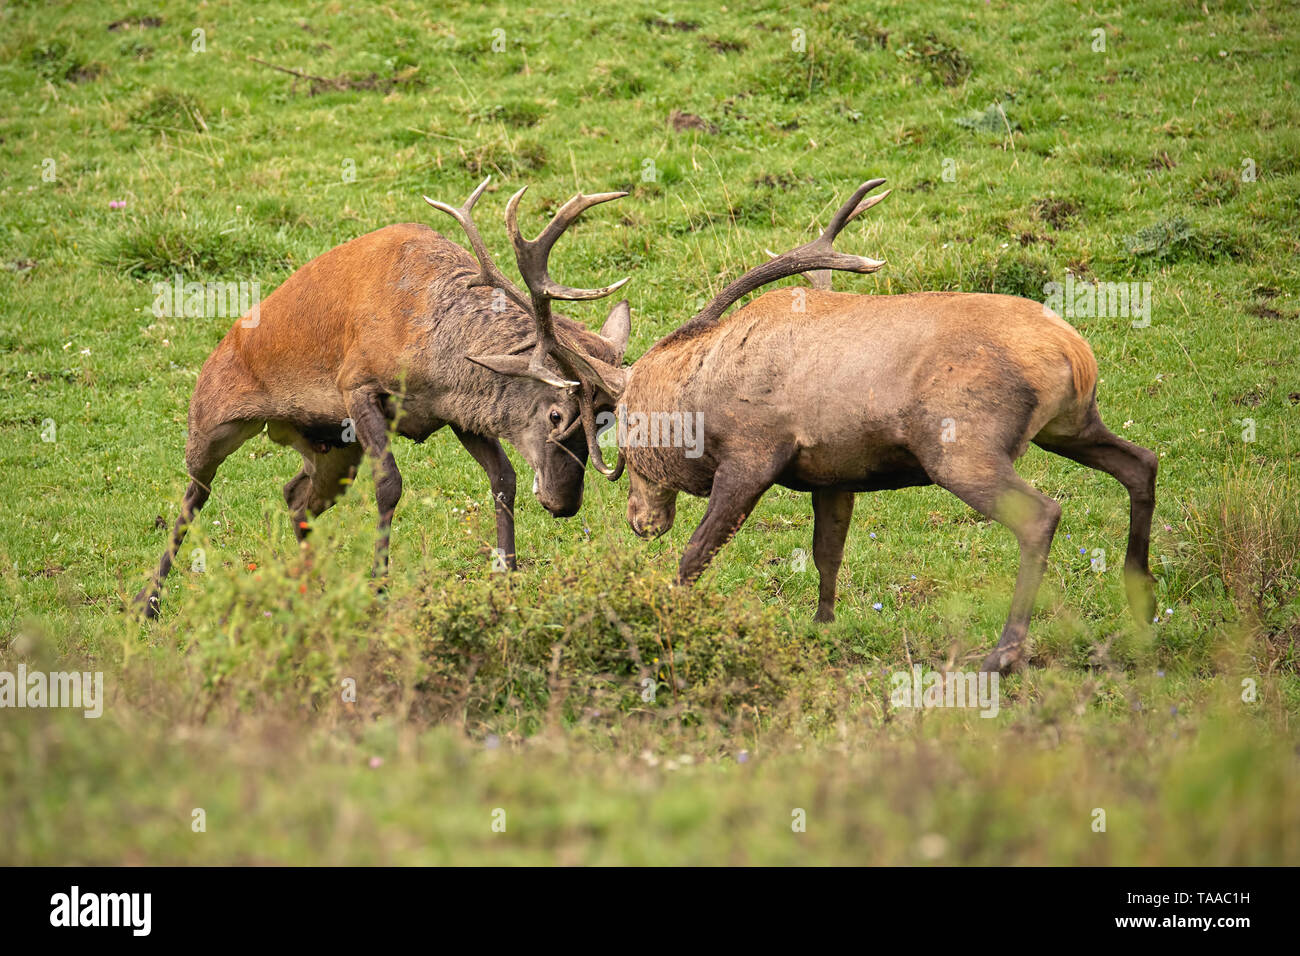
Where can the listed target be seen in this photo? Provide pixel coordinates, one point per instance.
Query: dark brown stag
(836, 394)
(381, 335)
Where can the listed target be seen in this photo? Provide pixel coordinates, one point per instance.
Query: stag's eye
(556, 417)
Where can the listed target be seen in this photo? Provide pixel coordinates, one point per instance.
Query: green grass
(1016, 153)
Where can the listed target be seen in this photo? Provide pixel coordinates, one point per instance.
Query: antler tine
(853, 208)
(488, 273)
(867, 204)
(818, 254)
(594, 375)
(533, 257)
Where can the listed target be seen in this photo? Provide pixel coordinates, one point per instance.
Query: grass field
(501, 719)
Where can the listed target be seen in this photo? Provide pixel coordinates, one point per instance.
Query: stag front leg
(366, 411)
(832, 513)
(196, 496)
(501, 477)
(737, 488)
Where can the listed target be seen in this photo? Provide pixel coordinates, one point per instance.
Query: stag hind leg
(206, 449)
(323, 478)
(832, 513)
(1134, 467)
(991, 486)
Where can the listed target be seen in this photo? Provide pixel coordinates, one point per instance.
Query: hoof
(146, 605)
(1001, 662)
(824, 617)
(1139, 588)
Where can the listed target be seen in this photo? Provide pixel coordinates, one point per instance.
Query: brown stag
(836, 394)
(381, 334)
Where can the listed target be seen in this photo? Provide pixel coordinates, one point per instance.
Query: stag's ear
(610, 379)
(518, 366)
(617, 329)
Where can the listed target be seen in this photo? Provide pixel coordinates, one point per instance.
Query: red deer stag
(857, 393)
(382, 333)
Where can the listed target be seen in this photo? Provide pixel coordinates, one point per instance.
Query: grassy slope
(231, 170)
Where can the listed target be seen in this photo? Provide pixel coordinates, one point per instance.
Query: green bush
(603, 638)
(1009, 275)
(1243, 537)
(599, 640)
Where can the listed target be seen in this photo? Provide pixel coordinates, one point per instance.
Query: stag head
(565, 407)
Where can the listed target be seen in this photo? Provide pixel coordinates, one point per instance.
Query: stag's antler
(533, 258)
(488, 273)
(811, 256)
(585, 372)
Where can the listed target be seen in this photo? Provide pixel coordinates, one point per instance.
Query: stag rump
(854, 393)
(371, 338)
